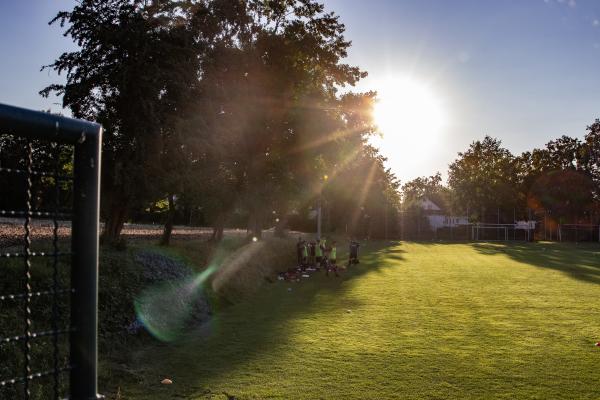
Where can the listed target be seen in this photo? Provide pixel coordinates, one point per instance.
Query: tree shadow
(578, 261)
(245, 331)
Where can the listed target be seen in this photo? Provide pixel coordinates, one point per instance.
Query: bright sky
(523, 71)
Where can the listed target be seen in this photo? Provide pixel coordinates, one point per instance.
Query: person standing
(318, 254)
(304, 263)
(353, 258)
(332, 266)
(333, 253)
(299, 251)
(312, 253)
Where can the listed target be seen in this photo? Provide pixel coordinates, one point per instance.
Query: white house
(525, 225)
(437, 219)
(428, 205)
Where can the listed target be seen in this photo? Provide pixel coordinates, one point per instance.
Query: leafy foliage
(228, 106)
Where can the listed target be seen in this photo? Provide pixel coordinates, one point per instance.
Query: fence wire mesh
(35, 289)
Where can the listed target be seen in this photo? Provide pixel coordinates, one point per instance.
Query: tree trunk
(166, 236)
(280, 227)
(218, 227)
(117, 215)
(281, 222)
(255, 225)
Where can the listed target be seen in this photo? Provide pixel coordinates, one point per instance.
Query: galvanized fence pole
(84, 314)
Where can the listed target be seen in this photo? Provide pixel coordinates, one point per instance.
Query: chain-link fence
(504, 225)
(49, 175)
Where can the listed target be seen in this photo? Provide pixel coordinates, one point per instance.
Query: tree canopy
(230, 108)
(241, 113)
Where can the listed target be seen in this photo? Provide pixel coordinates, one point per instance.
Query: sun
(410, 116)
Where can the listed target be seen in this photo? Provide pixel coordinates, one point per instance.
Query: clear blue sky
(525, 71)
(27, 43)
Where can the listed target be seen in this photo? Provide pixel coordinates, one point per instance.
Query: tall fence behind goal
(49, 209)
(500, 232)
(579, 233)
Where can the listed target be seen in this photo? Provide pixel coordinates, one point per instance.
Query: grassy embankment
(122, 281)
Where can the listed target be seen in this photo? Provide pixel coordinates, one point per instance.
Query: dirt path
(12, 231)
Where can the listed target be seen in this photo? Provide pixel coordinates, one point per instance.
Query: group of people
(319, 254)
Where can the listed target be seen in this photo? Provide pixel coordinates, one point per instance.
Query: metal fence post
(84, 346)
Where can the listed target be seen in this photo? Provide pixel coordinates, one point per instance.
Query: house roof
(427, 204)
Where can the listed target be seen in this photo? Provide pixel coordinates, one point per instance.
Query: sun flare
(409, 115)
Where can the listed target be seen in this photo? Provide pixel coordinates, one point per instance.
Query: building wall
(437, 221)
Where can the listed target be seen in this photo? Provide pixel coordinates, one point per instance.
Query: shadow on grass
(579, 261)
(253, 329)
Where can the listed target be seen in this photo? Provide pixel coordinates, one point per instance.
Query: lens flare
(165, 310)
(171, 309)
(238, 260)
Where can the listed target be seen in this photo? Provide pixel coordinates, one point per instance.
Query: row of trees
(231, 109)
(238, 113)
(488, 182)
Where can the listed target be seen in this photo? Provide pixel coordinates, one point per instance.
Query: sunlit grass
(411, 321)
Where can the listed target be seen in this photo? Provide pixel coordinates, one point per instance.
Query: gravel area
(12, 231)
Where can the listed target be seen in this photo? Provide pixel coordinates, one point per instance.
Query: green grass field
(412, 321)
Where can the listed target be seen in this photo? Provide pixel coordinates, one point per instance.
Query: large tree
(223, 105)
(555, 178)
(284, 63)
(591, 155)
(133, 72)
(483, 178)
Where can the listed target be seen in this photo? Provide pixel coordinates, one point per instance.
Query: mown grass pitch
(412, 321)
